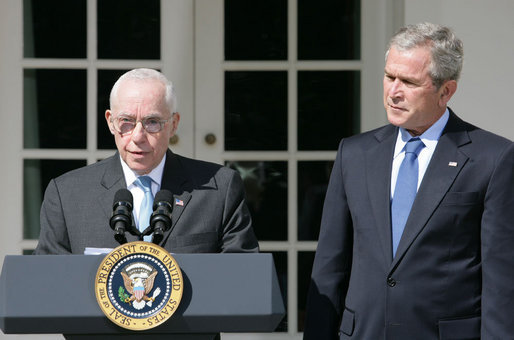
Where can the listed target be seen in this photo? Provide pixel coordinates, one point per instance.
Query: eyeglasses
(124, 124)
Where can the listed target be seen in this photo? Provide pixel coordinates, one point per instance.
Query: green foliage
(123, 295)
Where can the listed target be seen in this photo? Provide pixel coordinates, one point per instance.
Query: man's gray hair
(146, 74)
(446, 49)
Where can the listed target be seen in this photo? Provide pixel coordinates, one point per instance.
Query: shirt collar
(155, 174)
(430, 137)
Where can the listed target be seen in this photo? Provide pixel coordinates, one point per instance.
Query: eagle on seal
(139, 286)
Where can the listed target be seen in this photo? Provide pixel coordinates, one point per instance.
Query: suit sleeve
(237, 232)
(53, 238)
(497, 246)
(332, 263)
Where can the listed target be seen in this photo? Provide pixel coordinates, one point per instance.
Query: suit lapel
(112, 180)
(378, 173)
(176, 180)
(446, 163)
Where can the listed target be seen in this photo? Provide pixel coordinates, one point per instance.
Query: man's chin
(396, 120)
(140, 168)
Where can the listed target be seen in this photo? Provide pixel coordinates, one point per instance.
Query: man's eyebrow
(150, 115)
(154, 115)
(389, 74)
(404, 79)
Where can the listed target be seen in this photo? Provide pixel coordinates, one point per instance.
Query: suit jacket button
(391, 282)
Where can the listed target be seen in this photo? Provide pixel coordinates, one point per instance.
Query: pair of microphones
(121, 220)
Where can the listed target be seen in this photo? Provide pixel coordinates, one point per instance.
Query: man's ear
(446, 92)
(108, 115)
(175, 119)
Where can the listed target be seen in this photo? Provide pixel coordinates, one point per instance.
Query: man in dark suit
(447, 270)
(209, 210)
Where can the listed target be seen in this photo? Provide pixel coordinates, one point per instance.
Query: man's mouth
(397, 107)
(138, 153)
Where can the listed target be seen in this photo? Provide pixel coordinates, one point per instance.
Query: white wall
(485, 96)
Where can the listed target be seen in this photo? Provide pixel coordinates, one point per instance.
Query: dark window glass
(280, 259)
(54, 29)
(54, 108)
(312, 186)
(328, 29)
(328, 108)
(129, 29)
(305, 261)
(106, 79)
(266, 196)
(37, 173)
(255, 110)
(256, 30)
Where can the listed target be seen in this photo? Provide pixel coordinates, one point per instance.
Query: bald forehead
(140, 89)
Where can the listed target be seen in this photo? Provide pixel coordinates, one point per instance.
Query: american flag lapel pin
(452, 164)
(179, 202)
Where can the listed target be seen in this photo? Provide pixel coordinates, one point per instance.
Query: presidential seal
(139, 285)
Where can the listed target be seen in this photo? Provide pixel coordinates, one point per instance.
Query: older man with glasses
(209, 213)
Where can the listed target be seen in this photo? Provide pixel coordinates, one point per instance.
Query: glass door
(278, 83)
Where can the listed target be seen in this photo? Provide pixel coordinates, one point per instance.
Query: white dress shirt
(137, 192)
(429, 138)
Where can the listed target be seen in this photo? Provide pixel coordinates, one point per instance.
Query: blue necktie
(405, 189)
(145, 210)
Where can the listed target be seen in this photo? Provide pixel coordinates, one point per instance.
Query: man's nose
(395, 89)
(139, 132)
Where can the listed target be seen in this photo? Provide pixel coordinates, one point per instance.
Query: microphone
(160, 221)
(121, 219)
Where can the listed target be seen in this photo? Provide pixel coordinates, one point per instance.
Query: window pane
(305, 261)
(313, 179)
(54, 108)
(328, 108)
(256, 110)
(37, 173)
(266, 196)
(256, 30)
(129, 29)
(54, 29)
(328, 29)
(106, 79)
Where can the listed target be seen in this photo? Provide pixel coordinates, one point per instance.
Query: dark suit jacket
(214, 217)
(453, 275)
